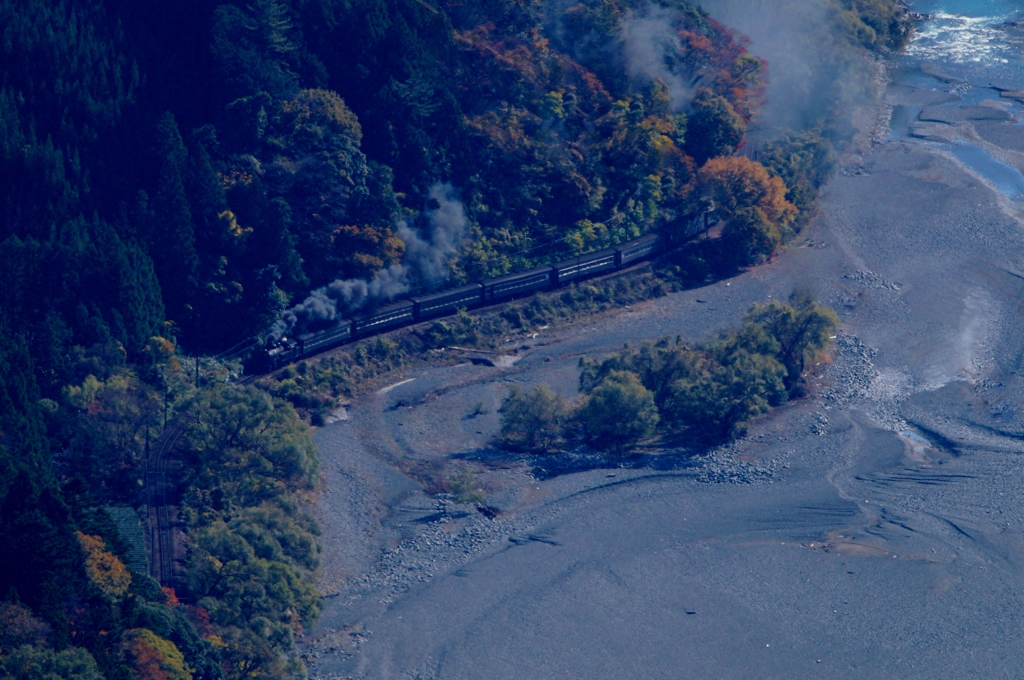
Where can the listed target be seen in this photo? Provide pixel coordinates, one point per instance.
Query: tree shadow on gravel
(585, 459)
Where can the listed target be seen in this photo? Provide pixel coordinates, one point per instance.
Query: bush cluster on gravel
(707, 392)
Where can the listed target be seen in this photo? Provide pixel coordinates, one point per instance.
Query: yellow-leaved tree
(104, 569)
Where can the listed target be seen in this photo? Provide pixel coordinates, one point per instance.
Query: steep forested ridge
(175, 175)
(253, 151)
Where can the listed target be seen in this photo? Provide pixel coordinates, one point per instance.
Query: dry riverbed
(874, 529)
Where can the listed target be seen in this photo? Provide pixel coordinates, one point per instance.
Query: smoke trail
(428, 258)
(425, 258)
(649, 38)
(815, 72)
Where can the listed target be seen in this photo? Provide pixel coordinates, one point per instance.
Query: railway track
(160, 487)
(490, 308)
(249, 344)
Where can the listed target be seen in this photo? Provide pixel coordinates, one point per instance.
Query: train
(435, 305)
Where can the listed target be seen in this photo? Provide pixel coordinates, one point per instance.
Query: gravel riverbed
(873, 529)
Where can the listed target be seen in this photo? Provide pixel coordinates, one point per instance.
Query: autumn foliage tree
(151, 657)
(752, 202)
(104, 569)
(19, 627)
(735, 183)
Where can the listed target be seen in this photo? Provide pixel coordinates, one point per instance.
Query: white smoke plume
(812, 69)
(446, 227)
(426, 257)
(649, 37)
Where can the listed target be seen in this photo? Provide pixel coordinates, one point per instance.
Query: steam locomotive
(490, 292)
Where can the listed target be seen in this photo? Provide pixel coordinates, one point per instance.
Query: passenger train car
(489, 292)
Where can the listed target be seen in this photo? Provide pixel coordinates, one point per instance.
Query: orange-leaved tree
(752, 202)
(737, 182)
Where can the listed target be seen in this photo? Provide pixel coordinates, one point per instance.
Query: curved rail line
(489, 293)
(598, 265)
(250, 378)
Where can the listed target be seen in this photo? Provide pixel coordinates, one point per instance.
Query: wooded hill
(174, 175)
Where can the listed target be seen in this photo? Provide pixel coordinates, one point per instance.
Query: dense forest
(177, 177)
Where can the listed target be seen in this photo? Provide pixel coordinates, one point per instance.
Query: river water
(972, 50)
(968, 38)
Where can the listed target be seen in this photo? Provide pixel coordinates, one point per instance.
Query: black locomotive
(446, 302)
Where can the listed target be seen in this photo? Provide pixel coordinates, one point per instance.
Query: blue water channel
(969, 41)
(1007, 179)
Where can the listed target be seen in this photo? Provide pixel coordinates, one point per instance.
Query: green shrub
(465, 487)
(41, 663)
(714, 127)
(801, 329)
(619, 412)
(804, 161)
(710, 391)
(750, 237)
(720, 399)
(532, 421)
